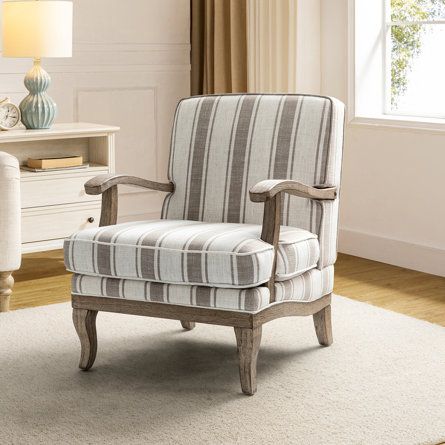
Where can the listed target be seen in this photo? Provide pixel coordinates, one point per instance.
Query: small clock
(9, 115)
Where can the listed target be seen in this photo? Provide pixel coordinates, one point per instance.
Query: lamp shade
(37, 29)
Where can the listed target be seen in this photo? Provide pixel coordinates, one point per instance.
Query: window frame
(385, 117)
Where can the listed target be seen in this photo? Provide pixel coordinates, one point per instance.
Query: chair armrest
(107, 186)
(269, 192)
(101, 183)
(264, 190)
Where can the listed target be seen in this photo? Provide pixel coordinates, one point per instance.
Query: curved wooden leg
(189, 325)
(6, 285)
(248, 343)
(85, 324)
(323, 326)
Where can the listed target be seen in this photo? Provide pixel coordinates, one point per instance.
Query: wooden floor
(43, 280)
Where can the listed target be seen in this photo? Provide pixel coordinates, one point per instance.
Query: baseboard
(399, 253)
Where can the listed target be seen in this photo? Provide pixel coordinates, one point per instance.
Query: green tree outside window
(407, 39)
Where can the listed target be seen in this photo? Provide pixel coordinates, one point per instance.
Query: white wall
(392, 200)
(130, 67)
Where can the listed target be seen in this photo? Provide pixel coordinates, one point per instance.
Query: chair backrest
(223, 145)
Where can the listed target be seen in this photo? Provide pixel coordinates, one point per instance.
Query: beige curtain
(219, 46)
(272, 46)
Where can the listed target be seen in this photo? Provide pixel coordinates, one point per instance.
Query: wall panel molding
(139, 57)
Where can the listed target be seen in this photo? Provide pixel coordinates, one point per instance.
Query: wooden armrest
(101, 183)
(269, 192)
(107, 186)
(264, 190)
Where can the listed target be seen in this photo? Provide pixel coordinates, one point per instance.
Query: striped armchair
(248, 229)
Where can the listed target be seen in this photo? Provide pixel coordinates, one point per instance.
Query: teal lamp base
(37, 108)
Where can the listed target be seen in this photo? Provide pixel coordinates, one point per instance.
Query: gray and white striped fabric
(306, 287)
(190, 252)
(309, 286)
(223, 145)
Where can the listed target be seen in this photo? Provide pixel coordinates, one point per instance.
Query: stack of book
(56, 163)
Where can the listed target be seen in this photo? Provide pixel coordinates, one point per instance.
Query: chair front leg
(85, 323)
(323, 326)
(248, 344)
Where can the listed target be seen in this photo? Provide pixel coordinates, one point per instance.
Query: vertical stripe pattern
(191, 252)
(223, 145)
(307, 287)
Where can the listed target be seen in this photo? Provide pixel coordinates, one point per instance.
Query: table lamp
(37, 29)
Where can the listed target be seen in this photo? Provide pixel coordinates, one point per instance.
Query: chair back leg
(248, 344)
(189, 325)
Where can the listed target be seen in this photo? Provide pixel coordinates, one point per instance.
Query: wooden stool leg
(323, 326)
(189, 325)
(6, 285)
(248, 343)
(85, 324)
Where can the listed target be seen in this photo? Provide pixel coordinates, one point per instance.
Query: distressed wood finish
(264, 190)
(101, 183)
(247, 325)
(85, 323)
(6, 285)
(108, 214)
(323, 326)
(271, 234)
(201, 314)
(188, 325)
(248, 345)
(290, 309)
(163, 310)
(107, 186)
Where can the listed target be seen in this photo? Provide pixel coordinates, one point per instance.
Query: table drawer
(50, 191)
(56, 222)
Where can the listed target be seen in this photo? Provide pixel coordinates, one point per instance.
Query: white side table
(54, 204)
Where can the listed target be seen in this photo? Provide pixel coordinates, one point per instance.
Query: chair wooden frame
(247, 326)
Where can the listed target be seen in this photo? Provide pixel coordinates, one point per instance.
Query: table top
(57, 131)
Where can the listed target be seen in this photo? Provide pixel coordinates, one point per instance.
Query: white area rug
(381, 382)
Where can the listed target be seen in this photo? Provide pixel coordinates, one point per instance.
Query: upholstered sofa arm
(264, 190)
(10, 216)
(107, 186)
(101, 183)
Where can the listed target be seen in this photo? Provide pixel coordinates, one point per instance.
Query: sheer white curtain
(272, 45)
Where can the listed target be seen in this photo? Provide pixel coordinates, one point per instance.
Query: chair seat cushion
(308, 286)
(190, 252)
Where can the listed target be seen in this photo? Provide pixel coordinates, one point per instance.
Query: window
(415, 57)
(397, 50)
